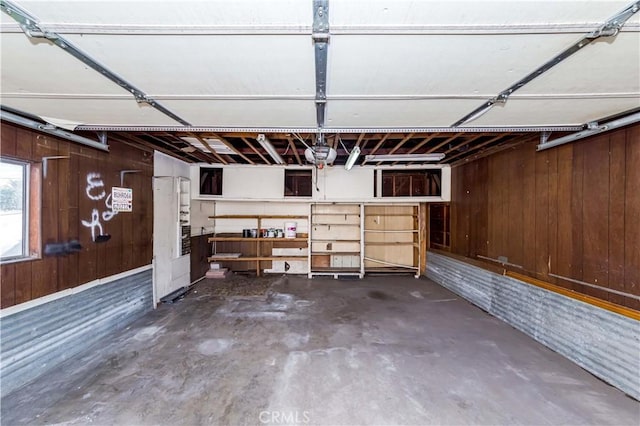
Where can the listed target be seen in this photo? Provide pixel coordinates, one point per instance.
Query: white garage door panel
(397, 113)
(37, 66)
(91, 111)
(436, 64)
(478, 12)
(520, 112)
(173, 13)
(245, 113)
(606, 66)
(206, 65)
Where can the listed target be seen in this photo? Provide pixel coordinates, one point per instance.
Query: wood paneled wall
(572, 211)
(65, 203)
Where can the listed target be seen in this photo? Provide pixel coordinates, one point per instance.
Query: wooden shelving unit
(335, 240)
(255, 252)
(391, 239)
(184, 216)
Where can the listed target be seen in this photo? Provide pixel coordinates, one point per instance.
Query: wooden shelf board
(392, 231)
(215, 258)
(334, 241)
(337, 224)
(212, 239)
(252, 216)
(335, 269)
(335, 253)
(336, 214)
(392, 214)
(390, 270)
(390, 243)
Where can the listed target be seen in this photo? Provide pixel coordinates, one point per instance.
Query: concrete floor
(383, 350)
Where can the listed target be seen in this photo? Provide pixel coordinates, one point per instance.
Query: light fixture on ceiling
(353, 157)
(405, 157)
(266, 144)
(592, 130)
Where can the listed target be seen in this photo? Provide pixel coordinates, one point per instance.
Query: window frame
(300, 173)
(214, 193)
(26, 206)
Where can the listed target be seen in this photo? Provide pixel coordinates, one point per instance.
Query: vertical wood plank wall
(64, 204)
(572, 211)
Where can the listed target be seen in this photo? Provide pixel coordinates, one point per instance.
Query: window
(298, 183)
(411, 183)
(14, 220)
(210, 181)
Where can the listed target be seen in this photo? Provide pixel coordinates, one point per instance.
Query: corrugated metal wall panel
(602, 342)
(37, 339)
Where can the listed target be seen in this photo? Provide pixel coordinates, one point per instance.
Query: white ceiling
(250, 63)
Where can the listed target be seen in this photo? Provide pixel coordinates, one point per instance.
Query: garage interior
(420, 212)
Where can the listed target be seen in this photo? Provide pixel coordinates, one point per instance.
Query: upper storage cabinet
(210, 181)
(431, 184)
(332, 184)
(238, 182)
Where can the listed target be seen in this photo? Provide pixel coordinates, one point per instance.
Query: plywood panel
(632, 215)
(24, 146)
(65, 203)
(553, 222)
(9, 141)
(63, 194)
(542, 223)
(563, 264)
(502, 178)
(44, 273)
(457, 210)
(617, 183)
(528, 210)
(87, 178)
(515, 202)
(23, 279)
(8, 286)
(595, 215)
(113, 260)
(579, 208)
(480, 212)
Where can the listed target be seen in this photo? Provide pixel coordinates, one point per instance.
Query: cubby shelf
(336, 229)
(251, 249)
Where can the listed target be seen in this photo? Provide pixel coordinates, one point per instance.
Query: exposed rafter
(254, 149)
(292, 145)
(204, 142)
